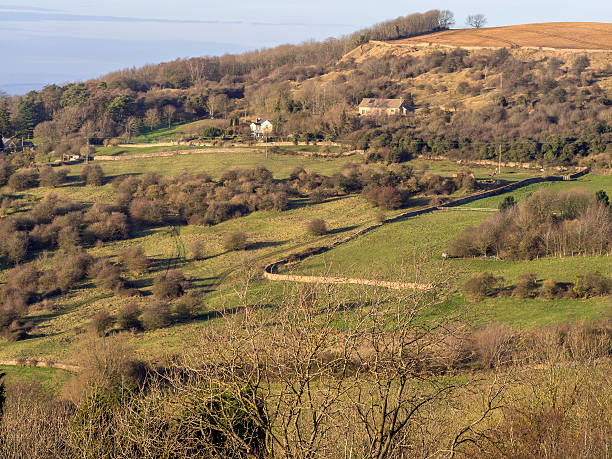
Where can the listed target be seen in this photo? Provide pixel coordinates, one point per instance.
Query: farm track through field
(181, 253)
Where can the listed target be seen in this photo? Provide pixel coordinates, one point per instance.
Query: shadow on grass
(305, 202)
(264, 244)
(342, 230)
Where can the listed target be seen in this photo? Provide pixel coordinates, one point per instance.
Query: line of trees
(547, 223)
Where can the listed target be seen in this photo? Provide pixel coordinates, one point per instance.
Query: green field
(177, 130)
(127, 150)
(386, 253)
(50, 379)
(590, 182)
(395, 251)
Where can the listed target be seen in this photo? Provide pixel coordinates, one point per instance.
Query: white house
(261, 127)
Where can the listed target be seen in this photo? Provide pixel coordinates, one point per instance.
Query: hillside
(436, 284)
(560, 35)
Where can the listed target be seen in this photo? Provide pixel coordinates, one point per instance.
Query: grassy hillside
(413, 247)
(568, 35)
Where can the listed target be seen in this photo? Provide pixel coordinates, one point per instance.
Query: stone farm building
(15, 144)
(261, 127)
(383, 107)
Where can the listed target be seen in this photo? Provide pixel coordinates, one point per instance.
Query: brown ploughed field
(563, 35)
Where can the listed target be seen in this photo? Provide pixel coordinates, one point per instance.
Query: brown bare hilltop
(559, 35)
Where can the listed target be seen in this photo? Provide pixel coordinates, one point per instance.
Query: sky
(58, 41)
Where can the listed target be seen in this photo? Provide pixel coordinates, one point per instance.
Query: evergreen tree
(5, 120)
(29, 114)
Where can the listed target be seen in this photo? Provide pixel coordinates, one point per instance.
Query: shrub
(187, 308)
(483, 285)
(16, 246)
(47, 283)
(109, 226)
(386, 197)
(128, 317)
(236, 240)
(592, 284)
(550, 289)
(135, 259)
(68, 239)
(507, 203)
(169, 285)
(23, 180)
(102, 321)
(602, 197)
(197, 250)
(147, 212)
(156, 315)
(5, 171)
(526, 286)
(71, 269)
(52, 177)
(92, 174)
(317, 227)
(106, 275)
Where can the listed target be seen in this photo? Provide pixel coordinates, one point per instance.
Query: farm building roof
(381, 103)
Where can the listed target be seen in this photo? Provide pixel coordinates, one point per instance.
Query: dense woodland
(546, 110)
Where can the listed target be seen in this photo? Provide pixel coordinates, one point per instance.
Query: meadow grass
(176, 130)
(411, 250)
(592, 182)
(51, 379)
(127, 150)
(390, 252)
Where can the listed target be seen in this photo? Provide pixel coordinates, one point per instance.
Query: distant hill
(564, 35)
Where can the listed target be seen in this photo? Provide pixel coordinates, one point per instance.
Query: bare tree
(151, 119)
(217, 104)
(446, 19)
(476, 21)
(169, 111)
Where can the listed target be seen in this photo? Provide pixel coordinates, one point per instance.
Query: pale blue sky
(54, 41)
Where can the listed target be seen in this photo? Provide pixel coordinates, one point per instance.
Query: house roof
(260, 122)
(381, 103)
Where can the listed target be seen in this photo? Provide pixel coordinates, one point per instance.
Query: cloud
(34, 16)
(27, 8)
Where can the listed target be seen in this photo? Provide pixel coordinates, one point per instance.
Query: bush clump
(92, 174)
(484, 285)
(592, 284)
(106, 275)
(317, 227)
(52, 177)
(526, 286)
(102, 321)
(169, 285)
(236, 240)
(187, 308)
(23, 180)
(147, 212)
(156, 315)
(197, 250)
(134, 259)
(550, 289)
(128, 317)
